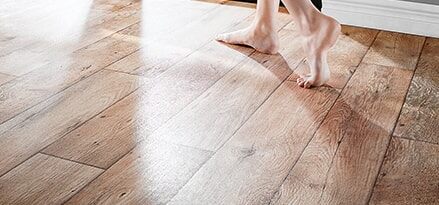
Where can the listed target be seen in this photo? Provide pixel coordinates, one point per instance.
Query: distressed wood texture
(395, 50)
(159, 53)
(109, 136)
(42, 51)
(44, 180)
(59, 74)
(217, 113)
(208, 185)
(421, 108)
(342, 160)
(134, 102)
(27, 51)
(409, 174)
(61, 114)
(250, 167)
(5, 78)
(36, 86)
(150, 174)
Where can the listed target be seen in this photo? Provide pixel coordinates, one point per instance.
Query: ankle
(310, 23)
(263, 27)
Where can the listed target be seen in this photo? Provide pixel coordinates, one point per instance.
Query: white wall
(393, 15)
(435, 2)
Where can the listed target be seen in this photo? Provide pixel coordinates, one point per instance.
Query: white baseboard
(392, 15)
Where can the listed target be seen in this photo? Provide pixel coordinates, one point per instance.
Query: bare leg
(261, 34)
(320, 33)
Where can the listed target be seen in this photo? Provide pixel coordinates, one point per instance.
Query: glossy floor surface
(133, 102)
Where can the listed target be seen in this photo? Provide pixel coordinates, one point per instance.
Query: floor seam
(65, 134)
(71, 160)
(73, 83)
(137, 143)
(415, 140)
(369, 196)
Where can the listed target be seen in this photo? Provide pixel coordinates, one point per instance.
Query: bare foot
(262, 41)
(319, 74)
(318, 40)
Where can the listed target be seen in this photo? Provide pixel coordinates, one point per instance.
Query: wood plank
(409, 174)
(29, 89)
(350, 143)
(44, 180)
(34, 87)
(195, 133)
(421, 108)
(348, 52)
(110, 135)
(159, 54)
(5, 78)
(112, 5)
(24, 22)
(256, 146)
(103, 51)
(114, 21)
(103, 140)
(222, 109)
(151, 20)
(395, 50)
(19, 41)
(61, 114)
(155, 21)
(137, 59)
(42, 53)
(251, 166)
(150, 174)
(375, 110)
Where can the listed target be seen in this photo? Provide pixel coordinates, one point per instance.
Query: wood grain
(421, 108)
(5, 78)
(61, 114)
(221, 110)
(395, 50)
(348, 52)
(110, 135)
(351, 141)
(38, 52)
(111, 5)
(251, 166)
(34, 87)
(38, 85)
(44, 180)
(150, 174)
(254, 180)
(158, 54)
(366, 112)
(207, 123)
(409, 174)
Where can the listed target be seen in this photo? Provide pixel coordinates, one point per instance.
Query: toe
(300, 82)
(220, 37)
(307, 84)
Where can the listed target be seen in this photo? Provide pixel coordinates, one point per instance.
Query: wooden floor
(133, 102)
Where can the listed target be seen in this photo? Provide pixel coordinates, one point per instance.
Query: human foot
(318, 40)
(319, 74)
(265, 41)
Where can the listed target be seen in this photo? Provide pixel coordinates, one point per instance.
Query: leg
(261, 34)
(320, 33)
